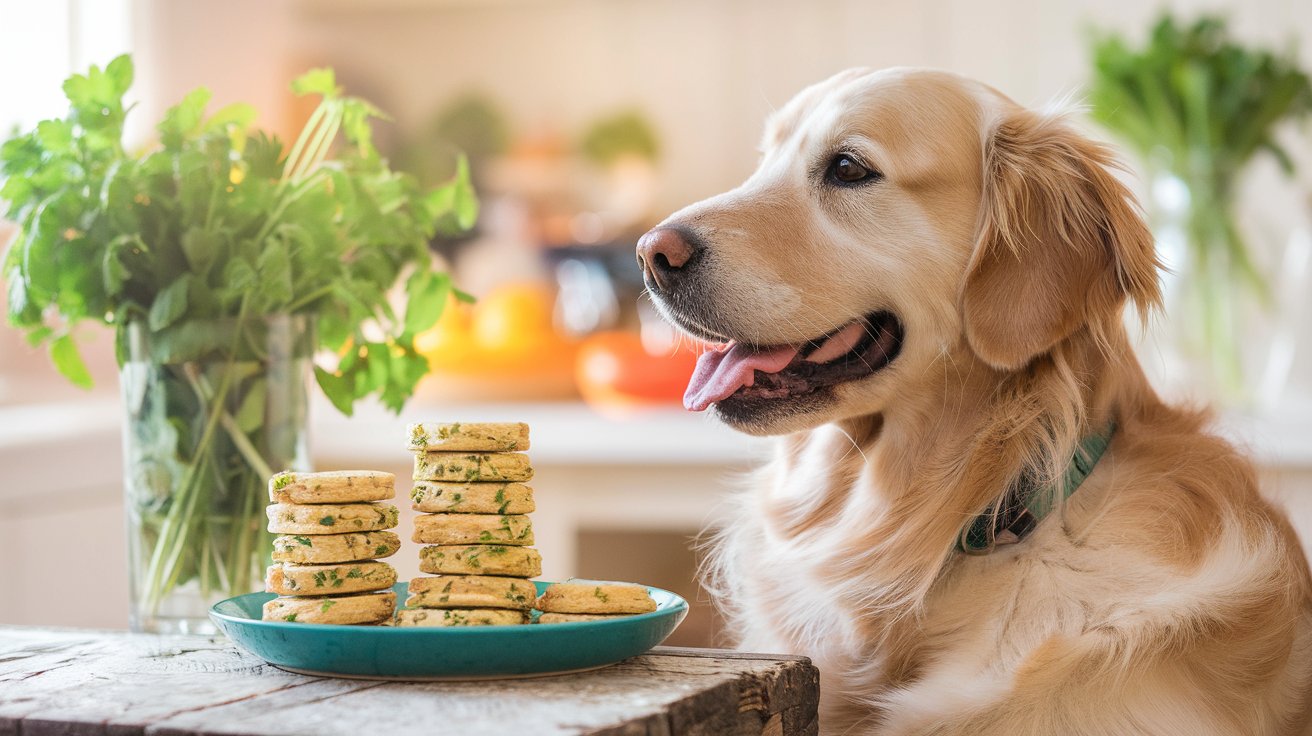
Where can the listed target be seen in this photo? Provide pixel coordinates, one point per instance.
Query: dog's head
(897, 217)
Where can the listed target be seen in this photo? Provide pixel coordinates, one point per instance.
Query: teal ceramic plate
(465, 653)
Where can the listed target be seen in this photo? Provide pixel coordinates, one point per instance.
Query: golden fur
(1166, 597)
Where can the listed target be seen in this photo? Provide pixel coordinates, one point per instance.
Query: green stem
(1214, 282)
(309, 299)
(240, 548)
(164, 561)
(294, 158)
(322, 142)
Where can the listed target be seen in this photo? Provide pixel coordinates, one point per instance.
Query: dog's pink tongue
(721, 372)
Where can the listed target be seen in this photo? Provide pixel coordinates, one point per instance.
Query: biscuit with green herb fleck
(472, 498)
(469, 436)
(481, 559)
(328, 518)
(595, 596)
(472, 467)
(471, 591)
(351, 577)
(460, 617)
(566, 618)
(514, 529)
(362, 608)
(325, 549)
(337, 486)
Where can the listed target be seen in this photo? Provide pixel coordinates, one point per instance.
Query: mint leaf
(119, 72)
(183, 120)
(320, 81)
(355, 124)
(64, 353)
(426, 293)
(250, 416)
(338, 390)
(169, 304)
(200, 247)
(114, 269)
(55, 135)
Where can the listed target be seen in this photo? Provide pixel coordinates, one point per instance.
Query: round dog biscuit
(364, 608)
(565, 618)
(352, 577)
(595, 596)
(326, 549)
(470, 467)
(481, 559)
(460, 617)
(337, 486)
(291, 518)
(434, 497)
(469, 436)
(471, 591)
(473, 529)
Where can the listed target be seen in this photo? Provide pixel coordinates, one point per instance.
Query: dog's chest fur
(813, 589)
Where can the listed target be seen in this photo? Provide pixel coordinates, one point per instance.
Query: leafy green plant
(1199, 106)
(219, 222)
(225, 264)
(625, 133)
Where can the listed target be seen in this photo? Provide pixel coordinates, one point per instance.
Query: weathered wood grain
(78, 683)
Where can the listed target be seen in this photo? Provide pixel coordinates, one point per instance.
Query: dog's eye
(845, 170)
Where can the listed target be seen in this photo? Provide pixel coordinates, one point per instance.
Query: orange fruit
(614, 369)
(449, 344)
(514, 320)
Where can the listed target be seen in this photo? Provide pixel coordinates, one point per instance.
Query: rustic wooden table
(62, 682)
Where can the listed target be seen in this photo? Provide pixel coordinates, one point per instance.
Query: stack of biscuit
(469, 486)
(326, 568)
(591, 600)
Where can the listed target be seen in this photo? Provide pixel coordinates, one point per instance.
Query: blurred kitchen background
(586, 122)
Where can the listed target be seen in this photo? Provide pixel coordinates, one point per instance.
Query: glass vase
(213, 409)
(1214, 294)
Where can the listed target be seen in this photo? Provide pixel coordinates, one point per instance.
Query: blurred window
(42, 41)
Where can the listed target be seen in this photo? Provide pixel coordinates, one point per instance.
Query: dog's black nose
(662, 252)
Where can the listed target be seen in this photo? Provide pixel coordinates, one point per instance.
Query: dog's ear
(1061, 242)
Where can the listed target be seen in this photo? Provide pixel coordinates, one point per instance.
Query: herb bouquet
(226, 266)
(1197, 107)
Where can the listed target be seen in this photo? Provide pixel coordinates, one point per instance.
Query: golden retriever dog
(921, 291)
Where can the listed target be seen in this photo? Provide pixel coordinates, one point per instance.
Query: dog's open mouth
(740, 371)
